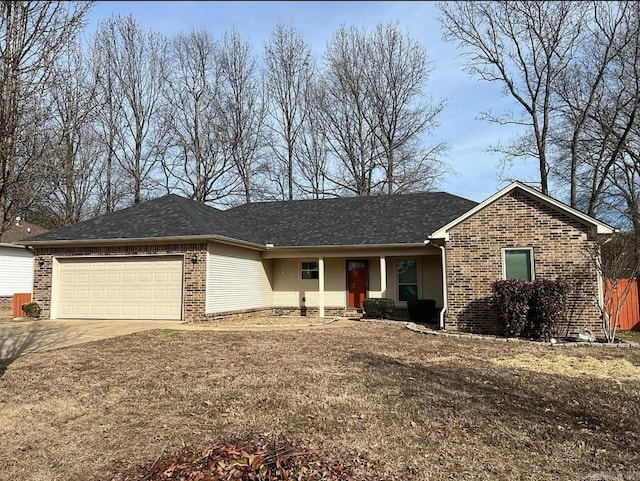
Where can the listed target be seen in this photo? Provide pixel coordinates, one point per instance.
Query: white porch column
(383, 276)
(321, 286)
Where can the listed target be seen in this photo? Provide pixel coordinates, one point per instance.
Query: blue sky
(477, 171)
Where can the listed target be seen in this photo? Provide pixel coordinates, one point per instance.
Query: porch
(323, 283)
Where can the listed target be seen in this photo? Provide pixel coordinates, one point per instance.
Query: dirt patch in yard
(405, 405)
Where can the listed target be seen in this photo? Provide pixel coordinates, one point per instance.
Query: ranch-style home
(173, 258)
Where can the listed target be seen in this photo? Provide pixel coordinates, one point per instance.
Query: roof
(385, 219)
(170, 216)
(388, 219)
(597, 226)
(20, 230)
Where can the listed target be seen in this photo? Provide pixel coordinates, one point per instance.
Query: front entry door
(357, 282)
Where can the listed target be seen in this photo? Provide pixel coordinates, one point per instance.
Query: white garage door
(119, 288)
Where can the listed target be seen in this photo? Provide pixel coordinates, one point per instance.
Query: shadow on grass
(561, 408)
(20, 338)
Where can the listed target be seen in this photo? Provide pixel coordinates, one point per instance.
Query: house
(16, 261)
(173, 258)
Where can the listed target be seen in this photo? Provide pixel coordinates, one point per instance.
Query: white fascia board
(597, 226)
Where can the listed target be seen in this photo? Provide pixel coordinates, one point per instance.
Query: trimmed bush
(32, 309)
(548, 305)
(378, 308)
(421, 310)
(511, 298)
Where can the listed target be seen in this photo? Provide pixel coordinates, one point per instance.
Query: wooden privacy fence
(18, 300)
(629, 317)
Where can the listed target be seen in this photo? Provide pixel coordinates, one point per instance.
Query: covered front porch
(323, 282)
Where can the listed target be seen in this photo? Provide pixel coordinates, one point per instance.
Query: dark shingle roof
(168, 216)
(394, 219)
(387, 219)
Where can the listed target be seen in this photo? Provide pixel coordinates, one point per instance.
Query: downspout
(443, 256)
(444, 286)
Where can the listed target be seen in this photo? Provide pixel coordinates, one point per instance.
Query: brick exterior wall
(194, 286)
(561, 245)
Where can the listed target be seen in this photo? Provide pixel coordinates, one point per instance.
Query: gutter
(13, 246)
(142, 240)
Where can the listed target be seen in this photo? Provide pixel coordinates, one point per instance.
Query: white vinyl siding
(237, 279)
(135, 288)
(16, 271)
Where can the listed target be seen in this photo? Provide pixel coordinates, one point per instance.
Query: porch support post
(321, 286)
(383, 276)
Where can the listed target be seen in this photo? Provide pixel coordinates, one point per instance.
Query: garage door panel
(120, 288)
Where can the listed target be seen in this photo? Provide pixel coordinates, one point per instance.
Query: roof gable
(597, 226)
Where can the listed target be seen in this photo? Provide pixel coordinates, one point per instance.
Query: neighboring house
(172, 258)
(16, 261)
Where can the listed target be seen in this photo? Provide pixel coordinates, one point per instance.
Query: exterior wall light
(40, 261)
(194, 259)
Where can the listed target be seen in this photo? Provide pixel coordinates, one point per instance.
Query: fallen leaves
(262, 460)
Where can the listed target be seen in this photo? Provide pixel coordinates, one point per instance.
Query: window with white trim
(309, 270)
(517, 263)
(407, 280)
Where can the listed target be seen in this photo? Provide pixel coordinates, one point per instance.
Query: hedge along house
(172, 258)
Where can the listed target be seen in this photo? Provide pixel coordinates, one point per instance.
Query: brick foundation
(561, 245)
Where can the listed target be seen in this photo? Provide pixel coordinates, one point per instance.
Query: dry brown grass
(417, 407)
(633, 336)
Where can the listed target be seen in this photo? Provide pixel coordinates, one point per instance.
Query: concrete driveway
(19, 338)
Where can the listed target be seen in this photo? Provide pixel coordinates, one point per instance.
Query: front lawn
(396, 404)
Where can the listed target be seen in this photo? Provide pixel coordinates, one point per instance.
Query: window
(518, 264)
(407, 280)
(309, 270)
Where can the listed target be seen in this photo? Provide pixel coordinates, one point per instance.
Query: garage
(137, 288)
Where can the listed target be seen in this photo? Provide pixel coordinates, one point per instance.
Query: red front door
(357, 280)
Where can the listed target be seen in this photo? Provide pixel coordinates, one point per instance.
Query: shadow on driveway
(20, 338)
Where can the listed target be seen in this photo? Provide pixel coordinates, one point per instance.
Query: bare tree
(33, 35)
(72, 185)
(525, 46)
(108, 123)
(312, 156)
(137, 64)
(618, 265)
(288, 70)
(594, 94)
(347, 114)
(397, 72)
(192, 157)
(376, 112)
(241, 111)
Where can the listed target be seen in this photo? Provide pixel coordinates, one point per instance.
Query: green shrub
(378, 308)
(32, 309)
(511, 299)
(421, 310)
